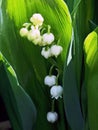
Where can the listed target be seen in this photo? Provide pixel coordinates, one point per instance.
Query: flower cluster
(33, 31)
(38, 34)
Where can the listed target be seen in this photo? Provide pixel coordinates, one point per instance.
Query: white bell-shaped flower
(46, 53)
(33, 34)
(52, 117)
(48, 38)
(37, 19)
(50, 80)
(56, 91)
(56, 50)
(23, 32)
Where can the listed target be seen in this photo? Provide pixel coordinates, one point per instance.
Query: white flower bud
(46, 53)
(52, 117)
(56, 91)
(48, 38)
(33, 34)
(56, 50)
(23, 32)
(50, 80)
(37, 19)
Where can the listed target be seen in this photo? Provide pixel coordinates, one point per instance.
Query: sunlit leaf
(59, 20)
(29, 65)
(91, 77)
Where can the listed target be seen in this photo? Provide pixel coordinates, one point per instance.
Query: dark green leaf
(20, 108)
(73, 5)
(71, 98)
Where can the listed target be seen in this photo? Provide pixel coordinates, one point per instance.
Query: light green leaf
(91, 77)
(20, 108)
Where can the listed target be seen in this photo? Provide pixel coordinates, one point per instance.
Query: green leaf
(73, 5)
(25, 58)
(91, 77)
(81, 29)
(59, 20)
(71, 98)
(20, 108)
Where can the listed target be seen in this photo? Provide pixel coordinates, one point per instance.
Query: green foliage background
(30, 100)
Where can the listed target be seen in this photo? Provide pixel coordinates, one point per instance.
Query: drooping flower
(52, 117)
(56, 50)
(46, 53)
(56, 91)
(50, 80)
(48, 38)
(37, 19)
(23, 32)
(33, 34)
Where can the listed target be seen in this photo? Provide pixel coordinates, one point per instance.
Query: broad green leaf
(29, 65)
(20, 108)
(82, 12)
(91, 77)
(71, 98)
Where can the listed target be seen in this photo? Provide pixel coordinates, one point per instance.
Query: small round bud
(46, 53)
(23, 32)
(48, 38)
(50, 80)
(52, 117)
(56, 50)
(56, 91)
(37, 19)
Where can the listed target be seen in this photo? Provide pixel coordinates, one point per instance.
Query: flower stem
(49, 27)
(53, 104)
(57, 76)
(50, 71)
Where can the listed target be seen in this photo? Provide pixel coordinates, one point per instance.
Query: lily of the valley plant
(48, 64)
(34, 32)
